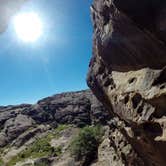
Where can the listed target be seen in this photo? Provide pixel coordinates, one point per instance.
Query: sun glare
(28, 26)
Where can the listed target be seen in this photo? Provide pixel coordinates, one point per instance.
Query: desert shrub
(85, 145)
(57, 151)
(61, 128)
(40, 148)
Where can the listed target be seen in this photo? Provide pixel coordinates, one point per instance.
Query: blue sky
(56, 63)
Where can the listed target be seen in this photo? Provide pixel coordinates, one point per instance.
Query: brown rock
(123, 44)
(76, 108)
(127, 72)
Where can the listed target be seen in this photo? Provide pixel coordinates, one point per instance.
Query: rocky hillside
(53, 121)
(128, 75)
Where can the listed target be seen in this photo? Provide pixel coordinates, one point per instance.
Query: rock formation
(127, 74)
(41, 124)
(77, 108)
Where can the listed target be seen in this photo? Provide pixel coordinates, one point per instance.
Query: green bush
(85, 145)
(40, 148)
(57, 151)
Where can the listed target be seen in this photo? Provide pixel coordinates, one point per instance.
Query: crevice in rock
(136, 99)
(106, 14)
(140, 109)
(159, 112)
(152, 129)
(159, 104)
(132, 80)
(162, 86)
(126, 99)
(160, 79)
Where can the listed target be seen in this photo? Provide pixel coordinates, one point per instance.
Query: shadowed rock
(127, 74)
(126, 34)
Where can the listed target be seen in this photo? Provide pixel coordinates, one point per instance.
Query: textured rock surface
(121, 37)
(57, 118)
(78, 108)
(127, 74)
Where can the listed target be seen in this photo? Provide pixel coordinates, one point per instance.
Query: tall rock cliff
(127, 74)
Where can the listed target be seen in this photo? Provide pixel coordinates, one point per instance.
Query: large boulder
(127, 72)
(9, 112)
(15, 127)
(79, 108)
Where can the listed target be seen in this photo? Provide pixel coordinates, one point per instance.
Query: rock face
(77, 108)
(42, 133)
(127, 74)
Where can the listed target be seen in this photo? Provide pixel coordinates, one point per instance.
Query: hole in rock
(136, 100)
(107, 82)
(114, 158)
(154, 129)
(140, 109)
(126, 99)
(123, 156)
(112, 87)
(162, 87)
(132, 80)
(160, 79)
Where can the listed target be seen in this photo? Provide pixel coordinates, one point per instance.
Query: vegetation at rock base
(85, 145)
(61, 128)
(41, 147)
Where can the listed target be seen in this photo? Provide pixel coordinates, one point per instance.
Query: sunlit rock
(127, 72)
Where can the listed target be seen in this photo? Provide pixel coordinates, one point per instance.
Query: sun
(28, 26)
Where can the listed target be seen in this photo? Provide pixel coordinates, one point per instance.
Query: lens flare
(28, 26)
